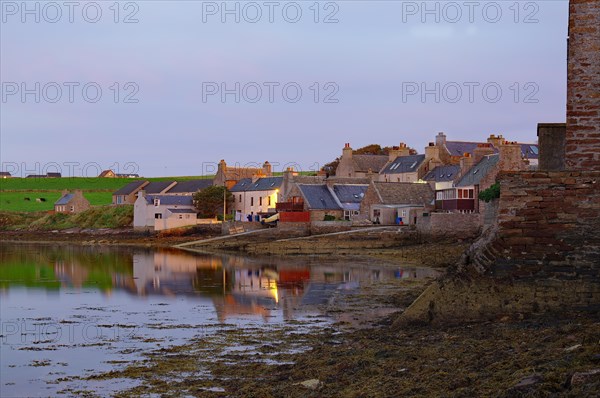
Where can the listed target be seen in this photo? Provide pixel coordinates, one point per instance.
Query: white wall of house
(253, 202)
(145, 214)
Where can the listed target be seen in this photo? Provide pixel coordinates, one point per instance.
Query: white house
(255, 198)
(158, 212)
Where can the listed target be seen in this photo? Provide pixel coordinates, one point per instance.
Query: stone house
(404, 169)
(255, 197)
(112, 174)
(189, 187)
(70, 203)
(157, 212)
(443, 177)
(352, 165)
(450, 152)
(464, 195)
(390, 203)
(230, 175)
(128, 194)
(319, 201)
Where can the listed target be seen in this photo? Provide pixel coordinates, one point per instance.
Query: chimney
(432, 152)
(440, 139)
(393, 153)
(481, 151)
(267, 169)
(466, 162)
(404, 151)
(496, 140)
(347, 151)
(511, 158)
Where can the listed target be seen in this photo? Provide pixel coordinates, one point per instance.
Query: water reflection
(236, 285)
(68, 311)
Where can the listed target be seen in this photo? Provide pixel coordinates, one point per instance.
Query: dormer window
(156, 202)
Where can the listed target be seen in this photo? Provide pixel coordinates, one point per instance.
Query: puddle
(68, 312)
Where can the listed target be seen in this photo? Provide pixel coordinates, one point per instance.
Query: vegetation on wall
(491, 193)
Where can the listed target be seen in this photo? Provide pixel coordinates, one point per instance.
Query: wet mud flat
(362, 354)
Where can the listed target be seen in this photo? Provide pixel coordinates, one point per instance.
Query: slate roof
(350, 193)
(530, 151)
(129, 188)
(157, 186)
(54, 175)
(404, 164)
(458, 148)
(404, 193)
(480, 170)
(65, 199)
(5, 173)
(443, 173)
(319, 197)
(262, 184)
(171, 200)
(182, 211)
(364, 163)
(190, 186)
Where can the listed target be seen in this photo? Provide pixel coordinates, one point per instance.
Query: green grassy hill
(39, 194)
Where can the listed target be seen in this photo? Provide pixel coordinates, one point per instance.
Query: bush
(329, 217)
(491, 193)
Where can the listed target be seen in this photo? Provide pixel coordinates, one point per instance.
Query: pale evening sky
(361, 67)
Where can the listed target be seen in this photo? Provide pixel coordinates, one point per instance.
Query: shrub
(491, 193)
(329, 217)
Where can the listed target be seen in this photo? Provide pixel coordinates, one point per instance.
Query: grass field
(39, 194)
(96, 217)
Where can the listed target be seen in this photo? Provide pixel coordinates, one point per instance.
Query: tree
(209, 201)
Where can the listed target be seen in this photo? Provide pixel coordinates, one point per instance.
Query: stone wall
(583, 88)
(548, 226)
(458, 225)
(326, 227)
(300, 228)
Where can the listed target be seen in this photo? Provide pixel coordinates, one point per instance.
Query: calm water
(70, 311)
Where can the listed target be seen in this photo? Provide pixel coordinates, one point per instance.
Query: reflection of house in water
(172, 273)
(257, 290)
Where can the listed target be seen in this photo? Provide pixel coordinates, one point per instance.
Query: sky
(170, 88)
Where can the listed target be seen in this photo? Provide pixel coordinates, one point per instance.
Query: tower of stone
(583, 86)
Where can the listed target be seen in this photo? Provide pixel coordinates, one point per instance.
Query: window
(180, 217)
(252, 201)
(240, 198)
(72, 209)
(460, 193)
(376, 213)
(403, 213)
(268, 201)
(260, 201)
(156, 202)
(471, 194)
(347, 215)
(158, 216)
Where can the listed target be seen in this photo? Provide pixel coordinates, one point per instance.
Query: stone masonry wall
(583, 88)
(457, 225)
(548, 226)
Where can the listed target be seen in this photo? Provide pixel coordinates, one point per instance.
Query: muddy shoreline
(362, 354)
